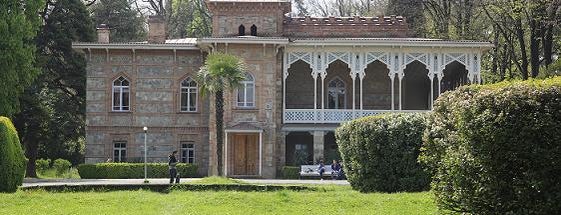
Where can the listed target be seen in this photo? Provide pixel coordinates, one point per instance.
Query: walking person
(336, 168)
(172, 162)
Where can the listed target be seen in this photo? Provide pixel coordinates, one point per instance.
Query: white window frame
(188, 90)
(120, 157)
(336, 88)
(245, 84)
(185, 148)
(121, 90)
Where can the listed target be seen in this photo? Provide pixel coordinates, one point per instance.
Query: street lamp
(145, 151)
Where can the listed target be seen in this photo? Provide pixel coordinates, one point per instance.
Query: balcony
(332, 115)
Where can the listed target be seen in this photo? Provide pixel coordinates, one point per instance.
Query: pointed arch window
(189, 96)
(246, 93)
(121, 94)
(336, 94)
(241, 30)
(253, 30)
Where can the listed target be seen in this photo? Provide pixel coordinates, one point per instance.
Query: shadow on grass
(165, 188)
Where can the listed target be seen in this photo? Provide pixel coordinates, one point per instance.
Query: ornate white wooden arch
(462, 58)
(293, 57)
(424, 58)
(371, 57)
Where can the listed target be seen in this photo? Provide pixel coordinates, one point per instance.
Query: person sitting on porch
(321, 169)
(336, 168)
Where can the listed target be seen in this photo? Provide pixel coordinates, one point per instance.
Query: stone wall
(155, 77)
(266, 16)
(264, 63)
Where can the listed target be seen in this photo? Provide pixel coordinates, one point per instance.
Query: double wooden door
(245, 154)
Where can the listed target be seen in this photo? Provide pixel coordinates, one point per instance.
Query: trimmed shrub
(496, 149)
(61, 166)
(42, 164)
(133, 170)
(290, 172)
(380, 153)
(12, 159)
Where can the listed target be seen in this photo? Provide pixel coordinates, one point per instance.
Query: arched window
(241, 30)
(253, 30)
(189, 95)
(121, 94)
(246, 93)
(336, 94)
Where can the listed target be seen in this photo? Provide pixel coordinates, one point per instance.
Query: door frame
(260, 149)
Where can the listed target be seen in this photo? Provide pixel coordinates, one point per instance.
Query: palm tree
(219, 73)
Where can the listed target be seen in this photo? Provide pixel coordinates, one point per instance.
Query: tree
(189, 18)
(12, 160)
(126, 23)
(18, 26)
(219, 73)
(53, 108)
(411, 9)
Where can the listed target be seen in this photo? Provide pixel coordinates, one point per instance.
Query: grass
(217, 180)
(327, 200)
(51, 174)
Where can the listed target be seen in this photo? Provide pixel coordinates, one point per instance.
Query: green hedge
(290, 172)
(133, 170)
(496, 149)
(12, 159)
(380, 152)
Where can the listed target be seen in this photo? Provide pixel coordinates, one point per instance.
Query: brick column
(318, 145)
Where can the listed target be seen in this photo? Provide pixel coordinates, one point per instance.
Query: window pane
(116, 99)
(192, 101)
(126, 99)
(241, 97)
(183, 101)
(250, 93)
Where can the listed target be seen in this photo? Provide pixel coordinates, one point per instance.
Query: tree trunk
(31, 151)
(495, 51)
(534, 47)
(547, 43)
(219, 99)
(523, 57)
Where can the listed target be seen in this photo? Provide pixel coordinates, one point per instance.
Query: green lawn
(327, 200)
(51, 174)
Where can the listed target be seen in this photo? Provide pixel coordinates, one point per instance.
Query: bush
(12, 159)
(133, 170)
(42, 165)
(496, 149)
(380, 152)
(61, 166)
(290, 172)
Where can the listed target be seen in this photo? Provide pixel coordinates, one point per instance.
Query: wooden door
(245, 154)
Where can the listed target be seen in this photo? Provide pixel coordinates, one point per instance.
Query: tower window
(241, 30)
(253, 30)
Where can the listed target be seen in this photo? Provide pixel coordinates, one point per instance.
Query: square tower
(262, 18)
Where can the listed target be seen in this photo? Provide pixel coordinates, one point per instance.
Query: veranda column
(400, 76)
(353, 77)
(318, 145)
(431, 100)
(361, 76)
(285, 76)
(323, 75)
(315, 76)
(392, 78)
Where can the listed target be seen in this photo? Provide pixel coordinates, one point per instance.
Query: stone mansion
(305, 76)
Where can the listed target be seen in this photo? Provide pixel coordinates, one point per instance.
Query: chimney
(103, 33)
(156, 29)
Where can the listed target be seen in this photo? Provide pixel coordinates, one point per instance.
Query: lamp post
(145, 153)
